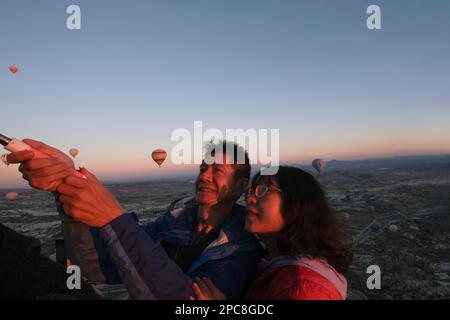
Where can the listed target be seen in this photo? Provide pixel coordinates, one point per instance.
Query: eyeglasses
(261, 190)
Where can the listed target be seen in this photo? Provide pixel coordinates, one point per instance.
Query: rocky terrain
(414, 255)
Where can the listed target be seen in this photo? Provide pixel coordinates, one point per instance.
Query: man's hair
(240, 156)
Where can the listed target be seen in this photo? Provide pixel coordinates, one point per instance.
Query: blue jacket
(124, 251)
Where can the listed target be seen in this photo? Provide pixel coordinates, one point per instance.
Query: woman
(307, 253)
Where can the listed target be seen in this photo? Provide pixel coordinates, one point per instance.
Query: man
(202, 236)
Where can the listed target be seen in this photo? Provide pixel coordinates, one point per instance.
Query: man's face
(216, 183)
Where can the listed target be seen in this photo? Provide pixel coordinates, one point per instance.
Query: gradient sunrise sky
(137, 70)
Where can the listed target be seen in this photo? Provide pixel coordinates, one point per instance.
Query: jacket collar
(181, 220)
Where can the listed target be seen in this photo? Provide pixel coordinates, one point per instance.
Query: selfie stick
(15, 145)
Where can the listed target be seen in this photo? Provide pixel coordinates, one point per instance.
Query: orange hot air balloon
(159, 155)
(13, 69)
(11, 196)
(73, 152)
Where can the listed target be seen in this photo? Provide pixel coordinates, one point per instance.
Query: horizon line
(190, 175)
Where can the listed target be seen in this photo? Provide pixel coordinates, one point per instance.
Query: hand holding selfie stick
(15, 145)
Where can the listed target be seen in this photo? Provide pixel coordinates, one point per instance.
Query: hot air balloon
(13, 69)
(11, 196)
(393, 228)
(159, 155)
(319, 164)
(73, 152)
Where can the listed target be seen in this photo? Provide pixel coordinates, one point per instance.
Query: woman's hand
(204, 289)
(88, 201)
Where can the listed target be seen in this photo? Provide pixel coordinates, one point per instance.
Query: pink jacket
(294, 278)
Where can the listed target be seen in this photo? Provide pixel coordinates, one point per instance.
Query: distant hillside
(435, 162)
(397, 163)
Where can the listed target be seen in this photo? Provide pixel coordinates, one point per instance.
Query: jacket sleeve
(146, 270)
(125, 251)
(149, 273)
(87, 249)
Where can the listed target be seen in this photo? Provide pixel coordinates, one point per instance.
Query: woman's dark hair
(311, 227)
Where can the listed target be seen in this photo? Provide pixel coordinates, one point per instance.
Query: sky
(138, 70)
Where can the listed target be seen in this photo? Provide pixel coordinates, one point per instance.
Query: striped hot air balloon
(319, 164)
(159, 156)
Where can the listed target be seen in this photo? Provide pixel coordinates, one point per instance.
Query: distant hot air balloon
(11, 196)
(393, 228)
(159, 155)
(73, 152)
(319, 164)
(13, 69)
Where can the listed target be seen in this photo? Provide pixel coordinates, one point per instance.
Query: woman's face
(264, 207)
